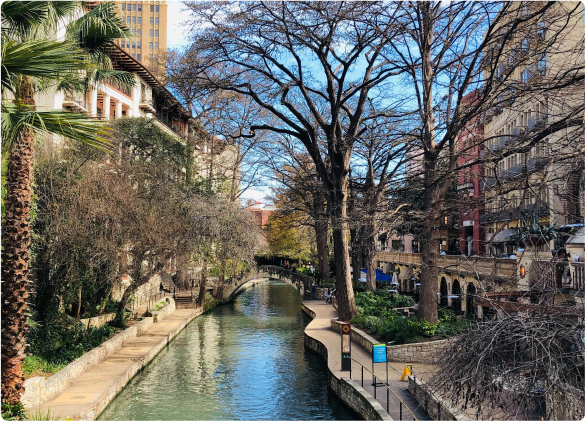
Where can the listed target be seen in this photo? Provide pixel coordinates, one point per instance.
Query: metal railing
(388, 390)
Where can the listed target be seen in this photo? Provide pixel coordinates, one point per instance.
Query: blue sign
(379, 353)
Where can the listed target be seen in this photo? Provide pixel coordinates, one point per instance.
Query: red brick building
(261, 211)
(470, 186)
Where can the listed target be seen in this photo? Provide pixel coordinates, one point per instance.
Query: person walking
(314, 291)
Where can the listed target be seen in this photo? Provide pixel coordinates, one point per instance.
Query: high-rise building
(148, 19)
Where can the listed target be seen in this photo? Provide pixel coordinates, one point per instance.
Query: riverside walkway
(320, 329)
(88, 394)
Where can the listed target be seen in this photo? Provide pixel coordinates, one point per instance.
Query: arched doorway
(456, 301)
(471, 309)
(444, 293)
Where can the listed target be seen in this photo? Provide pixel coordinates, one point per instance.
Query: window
(134, 19)
(150, 45)
(156, 33)
(133, 56)
(150, 56)
(152, 8)
(128, 19)
(134, 7)
(524, 45)
(157, 9)
(140, 32)
(133, 44)
(123, 44)
(541, 64)
(156, 21)
(525, 75)
(129, 7)
(138, 57)
(541, 29)
(152, 21)
(123, 6)
(140, 8)
(156, 45)
(139, 20)
(151, 33)
(138, 44)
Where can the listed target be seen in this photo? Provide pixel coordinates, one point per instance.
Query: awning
(504, 236)
(380, 276)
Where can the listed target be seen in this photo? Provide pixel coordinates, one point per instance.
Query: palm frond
(75, 126)
(39, 58)
(19, 17)
(98, 28)
(115, 77)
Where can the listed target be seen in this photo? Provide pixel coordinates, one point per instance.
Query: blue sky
(177, 38)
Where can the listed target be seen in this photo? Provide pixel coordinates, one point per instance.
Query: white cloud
(176, 25)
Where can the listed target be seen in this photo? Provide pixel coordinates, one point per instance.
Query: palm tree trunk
(16, 238)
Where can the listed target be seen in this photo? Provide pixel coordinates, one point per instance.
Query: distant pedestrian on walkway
(328, 296)
(314, 291)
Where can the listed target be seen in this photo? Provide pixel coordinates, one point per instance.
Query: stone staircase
(184, 301)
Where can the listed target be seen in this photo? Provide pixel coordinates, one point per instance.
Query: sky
(177, 38)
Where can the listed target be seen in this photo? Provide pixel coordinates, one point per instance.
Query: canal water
(242, 361)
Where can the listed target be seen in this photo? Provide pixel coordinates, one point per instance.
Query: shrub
(64, 339)
(34, 363)
(13, 412)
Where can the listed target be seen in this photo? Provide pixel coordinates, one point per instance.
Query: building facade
(148, 20)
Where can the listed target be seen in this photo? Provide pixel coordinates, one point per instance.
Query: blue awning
(380, 276)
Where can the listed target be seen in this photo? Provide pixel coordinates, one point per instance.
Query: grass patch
(159, 306)
(34, 365)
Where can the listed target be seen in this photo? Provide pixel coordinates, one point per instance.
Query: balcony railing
(146, 103)
(77, 102)
(465, 186)
(484, 266)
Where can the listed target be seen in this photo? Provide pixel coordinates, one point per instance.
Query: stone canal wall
(39, 389)
(420, 352)
(353, 395)
(436, 407)
(98, 321)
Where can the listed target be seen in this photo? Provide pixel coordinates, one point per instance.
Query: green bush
(34, 363)
(305, 271)
(64, 339)
(210, 302)
(377, 315)
(13, 412)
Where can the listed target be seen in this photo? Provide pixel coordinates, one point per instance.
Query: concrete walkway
(320, 329)
(89, 394)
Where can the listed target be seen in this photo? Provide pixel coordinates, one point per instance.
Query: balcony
(484, 266)
(77, 103)
(512, 172)
(146, 103)
(465, 186)
(513, 212)
(536, 122)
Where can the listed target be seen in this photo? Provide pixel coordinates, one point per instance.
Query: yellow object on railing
(405, 373)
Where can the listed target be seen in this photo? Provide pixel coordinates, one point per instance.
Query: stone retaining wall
(158, 316)
(420, 352)
(567, 403)
(353, 395)
(357, 335)
(98, 321)
(436, 407)
(39, 389)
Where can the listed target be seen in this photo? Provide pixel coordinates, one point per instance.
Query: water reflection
(242, 361)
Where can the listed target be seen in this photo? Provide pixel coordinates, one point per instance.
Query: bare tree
(312, 66)
(449, 50)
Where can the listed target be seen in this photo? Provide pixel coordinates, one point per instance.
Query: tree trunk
(218, 293)
(356, 256)
(345, 296)
(371, 257)
(16, 240)
(202, 285)
(429, 286)
(321, 234)
(78, 313)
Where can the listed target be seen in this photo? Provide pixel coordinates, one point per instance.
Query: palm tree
(33, 60)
